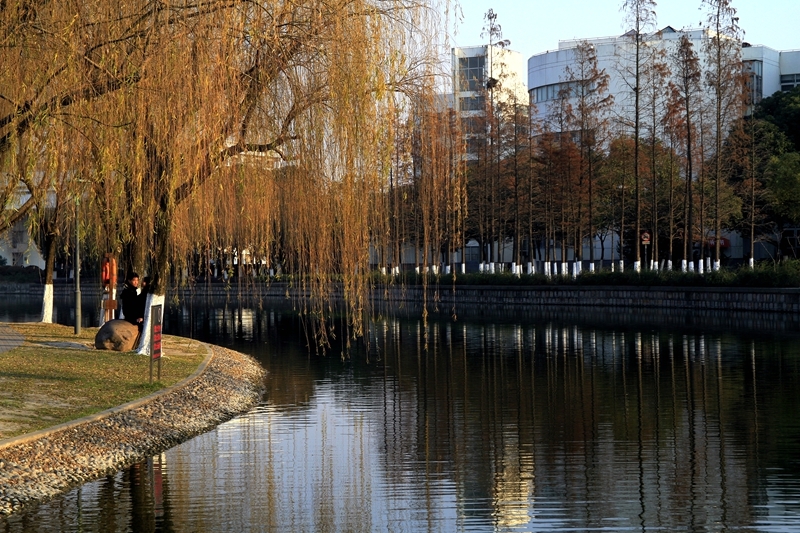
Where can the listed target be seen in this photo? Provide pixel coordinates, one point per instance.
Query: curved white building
(770, 70)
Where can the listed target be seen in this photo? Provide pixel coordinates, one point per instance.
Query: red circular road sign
(645, 237)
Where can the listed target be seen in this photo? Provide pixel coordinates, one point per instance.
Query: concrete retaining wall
(786, 300)
(712, 298)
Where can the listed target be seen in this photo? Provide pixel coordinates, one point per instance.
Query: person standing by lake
(133, 302)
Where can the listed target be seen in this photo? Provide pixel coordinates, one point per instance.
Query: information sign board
(155, 332)
(155, 339)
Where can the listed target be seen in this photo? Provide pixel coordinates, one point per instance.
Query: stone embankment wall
(38, 466)
(782, 300)
(664, 298)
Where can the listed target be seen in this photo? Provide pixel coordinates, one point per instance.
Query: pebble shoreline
(35, 470)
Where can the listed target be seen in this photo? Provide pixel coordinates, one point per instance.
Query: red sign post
(155, 339)
(108, 282)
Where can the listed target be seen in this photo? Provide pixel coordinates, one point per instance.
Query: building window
(789, 81)
(473, 254)
(471, 73)
(754, 70)
(476, 145)
(472, 103)
(553, 91)
(18, 234)
(473, 125)
(16, 259)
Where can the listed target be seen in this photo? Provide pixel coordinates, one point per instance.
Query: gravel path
(39, 466)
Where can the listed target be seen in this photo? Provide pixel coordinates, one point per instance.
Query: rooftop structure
(770, 70)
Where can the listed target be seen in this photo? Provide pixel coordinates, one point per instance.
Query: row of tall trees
(660, 160)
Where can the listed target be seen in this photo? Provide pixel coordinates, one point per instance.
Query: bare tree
(724, 76)
(684, 101)
(640, 18)
(656, 73)
(588, 117)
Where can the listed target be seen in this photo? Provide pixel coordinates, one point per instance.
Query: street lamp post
(77, 271)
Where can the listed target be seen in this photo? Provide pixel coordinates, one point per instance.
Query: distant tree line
(691, 158)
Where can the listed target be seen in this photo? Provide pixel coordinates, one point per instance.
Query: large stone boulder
(117, 335)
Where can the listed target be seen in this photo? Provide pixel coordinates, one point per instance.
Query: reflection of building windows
(789, 81)
(754, 70)
(472, 103)
(470, 71)
(546, 93)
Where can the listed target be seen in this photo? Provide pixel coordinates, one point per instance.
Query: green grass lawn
(56, 376)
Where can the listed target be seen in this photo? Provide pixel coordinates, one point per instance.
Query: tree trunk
(49, 267)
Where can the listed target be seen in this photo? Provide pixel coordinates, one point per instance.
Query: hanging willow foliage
(208, 127)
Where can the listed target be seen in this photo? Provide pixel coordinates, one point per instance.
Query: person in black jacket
(132, 302)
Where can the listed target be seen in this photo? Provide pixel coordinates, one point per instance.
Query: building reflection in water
(478, 425)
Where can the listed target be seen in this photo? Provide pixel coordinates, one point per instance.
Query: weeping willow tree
(174, 101)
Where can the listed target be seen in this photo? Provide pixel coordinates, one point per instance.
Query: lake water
(521, 420)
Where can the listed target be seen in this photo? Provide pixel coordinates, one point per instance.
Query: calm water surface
(553, 421)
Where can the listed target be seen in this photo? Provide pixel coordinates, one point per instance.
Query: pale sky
(535, 26)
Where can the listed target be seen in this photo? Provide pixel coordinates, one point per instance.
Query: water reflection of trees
(525, 414)
(530, 423)
(537, 412)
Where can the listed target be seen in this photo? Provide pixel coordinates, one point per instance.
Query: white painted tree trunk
(144, 338)
(684, 267)
(751, 263)
(622, 265)
(700, 266)
(637, 266)
(547, 268)
(47, 304)
(717, 265)
(530, 268)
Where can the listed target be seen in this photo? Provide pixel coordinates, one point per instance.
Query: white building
(17, 248)
(482, 73)
(770, 69)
